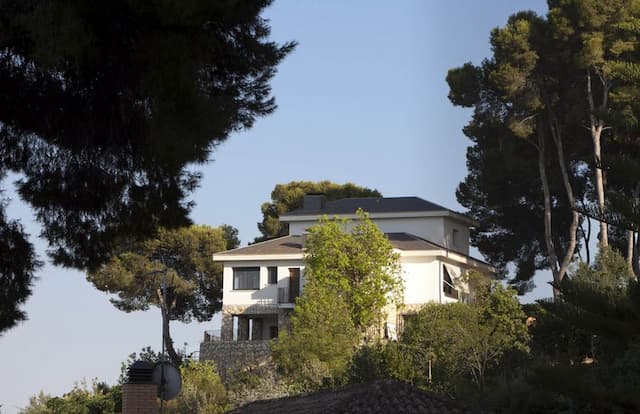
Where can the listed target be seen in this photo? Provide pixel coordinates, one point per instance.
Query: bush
(387, 360)
(317, 352)
(202, 390)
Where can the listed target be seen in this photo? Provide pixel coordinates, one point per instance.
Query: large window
(246, 278)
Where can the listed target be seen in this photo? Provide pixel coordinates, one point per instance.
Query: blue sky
(363, 99)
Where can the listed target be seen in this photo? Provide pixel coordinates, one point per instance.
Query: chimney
(139, 394)
(313, 202)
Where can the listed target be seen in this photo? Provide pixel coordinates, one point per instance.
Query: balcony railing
(283, 295)
(212, 335)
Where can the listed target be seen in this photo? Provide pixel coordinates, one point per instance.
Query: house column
(226, 331)
(256, 330)
(243, 328)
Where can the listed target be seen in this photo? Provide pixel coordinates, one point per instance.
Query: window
(447, 284)
(246, 278)
(455, 237)
(273, 275)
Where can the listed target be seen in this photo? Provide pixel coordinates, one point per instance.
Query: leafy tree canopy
(98, 398)
(202, 390)
(288, 197)
(352, 274)
(532, 158)
(464, 341)
(323, 337)
(357, 261)
(18, 264)
(172, 271)
(104, 104)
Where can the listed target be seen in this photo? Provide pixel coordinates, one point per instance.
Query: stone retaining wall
(235, 355)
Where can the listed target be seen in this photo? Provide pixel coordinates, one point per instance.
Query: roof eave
(403, 214)
(256, 257)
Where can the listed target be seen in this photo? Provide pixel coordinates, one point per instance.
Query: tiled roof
(281, 245)
(371, 205)
(406, 241)
(294, 244)
(386, 396)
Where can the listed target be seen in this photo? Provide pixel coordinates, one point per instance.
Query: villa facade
(262, 281)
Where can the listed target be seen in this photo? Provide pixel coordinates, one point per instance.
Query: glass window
(447, 284)
(273, 275)
(246, 278)
(455, 236)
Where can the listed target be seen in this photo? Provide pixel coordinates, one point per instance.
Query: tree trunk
(551, 250)
(604, 231)
(556, 133)
(166, 333)
(597, 126)
(586, 235)
(630, 240)
(632, 243)
(168, 342)
(635, 265)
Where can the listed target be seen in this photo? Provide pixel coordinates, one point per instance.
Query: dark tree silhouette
(104, 104)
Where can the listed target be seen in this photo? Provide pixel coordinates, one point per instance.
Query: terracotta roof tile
(281, 245)
(379, 397)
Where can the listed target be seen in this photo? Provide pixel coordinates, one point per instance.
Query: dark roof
(371, 205)
(406, 241)
(294, 244)
(385, 396)
(281, 245)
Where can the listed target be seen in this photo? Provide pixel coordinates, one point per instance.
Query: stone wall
(235, 355)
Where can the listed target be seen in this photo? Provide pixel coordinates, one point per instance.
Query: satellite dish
(167, 378)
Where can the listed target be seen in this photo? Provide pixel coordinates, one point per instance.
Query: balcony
(283, 295)
(286, 296)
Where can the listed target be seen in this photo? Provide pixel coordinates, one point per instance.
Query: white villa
(261, 281)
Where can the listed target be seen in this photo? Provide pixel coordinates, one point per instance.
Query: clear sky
(363, 99)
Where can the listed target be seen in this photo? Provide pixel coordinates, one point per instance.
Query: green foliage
(37, 404)
(466, 80)
(82, 399)
(288, 197)
(181, 259)
(610, 271)
(352, 274)
(389, 360)
(18, 264)
(358, 262)
(106, 107)
(202, 390)
(598, 317)
(263, 382)
(146, 354)
(172, 271)
(322, 339)
(465, 341)
(529, 96)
